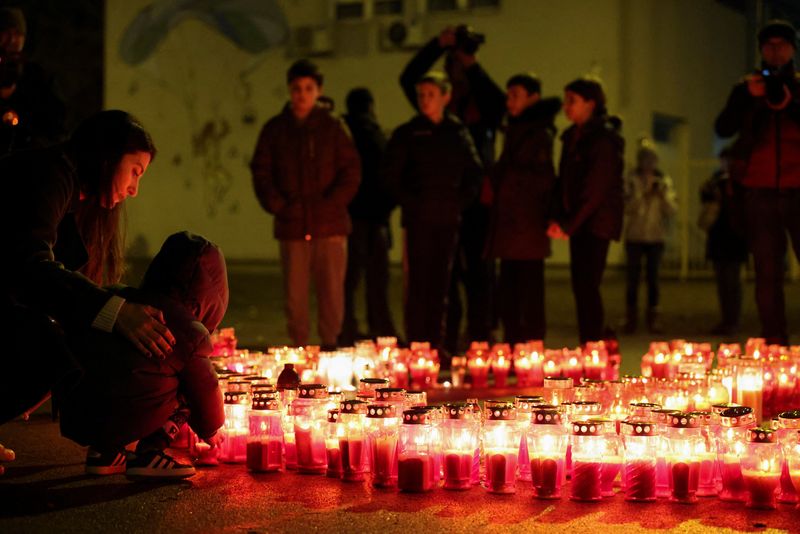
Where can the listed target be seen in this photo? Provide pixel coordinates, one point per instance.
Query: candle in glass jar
(500, 367)
(761, 468)
(479, 371)
(588, 448)
(547, 445)
(459, 431)
(750, 386)
(501, 439)
(382, 431)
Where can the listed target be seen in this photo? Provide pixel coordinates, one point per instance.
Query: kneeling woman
(589, 208)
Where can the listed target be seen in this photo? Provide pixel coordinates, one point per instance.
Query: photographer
(764, 111)
(31, 113)
(480, 104)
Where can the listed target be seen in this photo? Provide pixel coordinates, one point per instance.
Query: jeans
(653, 253)
(729, 290)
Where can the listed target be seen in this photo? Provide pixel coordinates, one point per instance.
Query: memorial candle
(788, 425)
(310, 419)
(641, 447)
(416, 453)
(683, 463)
(731, 446)
(547, 446)
(525, 405)
(265, 440)
(479, 371)
(750, 386)
(761, 468)
(233, 448)
(500, 367)
(588, 448)
(332, 451)
(501, 439)
(558, 390)
(459, 432)
(382, 434)
(352, 440)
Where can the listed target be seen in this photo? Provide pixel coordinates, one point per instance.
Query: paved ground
(45, 490)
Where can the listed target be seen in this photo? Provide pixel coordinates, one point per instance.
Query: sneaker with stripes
(157, 464)
(105, 463)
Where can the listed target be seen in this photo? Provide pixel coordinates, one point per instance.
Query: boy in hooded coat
(124, 397)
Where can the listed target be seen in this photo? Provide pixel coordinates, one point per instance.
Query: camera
(467, 40)
(775, 81)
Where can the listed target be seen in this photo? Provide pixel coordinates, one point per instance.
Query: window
(388, 7)
(349, 10)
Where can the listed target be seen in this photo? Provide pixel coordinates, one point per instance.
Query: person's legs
(379, 316)
(455, 307)
(478, 273)
(766, 238)
(729, 293)
(430, 256)
(533, 310)
(358, 261)
(296, 264)
(654, 252)
(328, 264)
(511, 296)
(633, 269)
(587, 264)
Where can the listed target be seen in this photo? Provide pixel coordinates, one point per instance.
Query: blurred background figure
(650, 205)
(522, 180)
(763, 112)
(31, 113)
(726, 247)
(370, 240)
(589, 204)
(480, 104)
(434, 171)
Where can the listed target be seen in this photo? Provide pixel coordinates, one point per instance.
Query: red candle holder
(501, 439)
(391, 397)
(761, 468)
(382, 434)
(353, 440)
(265, 442)
(732, 444)
(641, 447)
(547, 447)
(367, 387)
(233, 448)
(416, 470)
(525, 405)
(500, 367)
(683, 461)
(479, 370)
(558, 390)
(612, 455)
(310, 419)
(788, 425)
(588, 448)
(460, 443)
(332, 451)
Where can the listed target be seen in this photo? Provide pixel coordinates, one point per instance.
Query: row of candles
(418, 366)
(397, 441)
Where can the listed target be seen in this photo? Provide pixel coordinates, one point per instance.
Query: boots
(653, 321)
(630, 323)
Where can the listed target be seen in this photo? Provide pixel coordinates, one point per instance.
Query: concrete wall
(205, 100)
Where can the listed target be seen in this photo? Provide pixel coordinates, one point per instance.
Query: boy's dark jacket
(125, 396)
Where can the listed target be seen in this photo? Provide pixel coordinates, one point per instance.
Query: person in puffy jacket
(523, 180)
(589, 208)
(124, 397)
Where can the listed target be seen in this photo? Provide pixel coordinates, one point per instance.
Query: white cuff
(107, 317)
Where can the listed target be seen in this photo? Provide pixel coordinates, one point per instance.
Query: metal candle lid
(607, 426)
(703, 417)
(585, 408)
(416, 417)
(557, 382)
(265, 400)
(719, 408)
(381, 411)
(632, 428)
(683, 420)
(737, 416)
(642, 409)
(353, 407)
(375, 381)
(790, 419)
(457, 411)
(586, 428)
(662, 415)
(235, 397)
(761, 435)
(333, 416)
(390, 394)
(499, 410)
(527, 402)
(313, 391)
(546, 416)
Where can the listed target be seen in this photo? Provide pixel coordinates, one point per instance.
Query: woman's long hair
(590, 89)
(97, 146)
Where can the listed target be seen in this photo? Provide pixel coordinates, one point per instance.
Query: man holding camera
(764, 111)
(480, 104)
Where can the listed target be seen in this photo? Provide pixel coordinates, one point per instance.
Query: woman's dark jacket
(591, 182)
(125, 396)
(523, 179)
(43, 250)
(433, 170)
